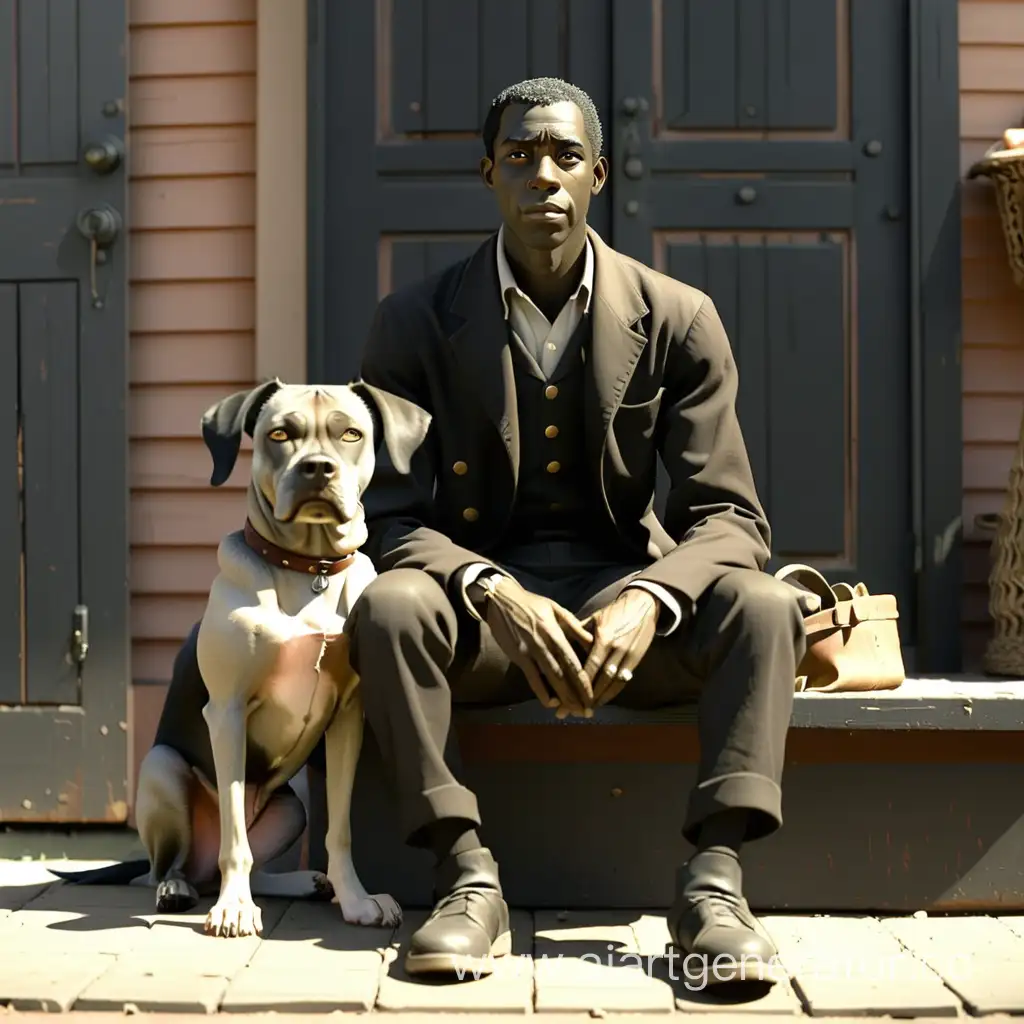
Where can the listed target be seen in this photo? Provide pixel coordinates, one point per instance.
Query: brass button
(554, 467)
(551, 391)
(470, 515)
(460, 468)
(551, 431)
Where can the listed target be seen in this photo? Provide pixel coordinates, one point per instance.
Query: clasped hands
(537, 634)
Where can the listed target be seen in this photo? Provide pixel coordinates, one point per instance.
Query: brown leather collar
(319, 568)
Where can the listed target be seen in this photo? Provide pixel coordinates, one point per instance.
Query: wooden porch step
(895, 801)
(926, 702)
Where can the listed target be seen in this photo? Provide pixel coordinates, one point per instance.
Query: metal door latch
(101, 226)
(80, 633)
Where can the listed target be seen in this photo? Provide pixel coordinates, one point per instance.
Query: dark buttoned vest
(557, 496)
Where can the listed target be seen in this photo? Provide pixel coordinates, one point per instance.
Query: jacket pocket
(639, 418)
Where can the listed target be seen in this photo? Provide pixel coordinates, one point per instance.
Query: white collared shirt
(544, 340)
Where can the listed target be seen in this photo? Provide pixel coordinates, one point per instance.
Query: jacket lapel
(616, 344)
(480, 341)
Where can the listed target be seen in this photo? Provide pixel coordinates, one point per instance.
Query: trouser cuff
(450, 801)
(759, 795)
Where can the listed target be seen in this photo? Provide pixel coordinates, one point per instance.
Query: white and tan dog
(265, 675)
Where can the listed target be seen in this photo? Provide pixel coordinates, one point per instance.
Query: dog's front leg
(234, 913)
(342, 743)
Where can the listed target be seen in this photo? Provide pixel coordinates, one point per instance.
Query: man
(521, 556)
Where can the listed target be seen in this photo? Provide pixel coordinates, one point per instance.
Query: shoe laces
(459, 902)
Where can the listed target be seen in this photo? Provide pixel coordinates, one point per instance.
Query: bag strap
(807, 577)
(845, 592)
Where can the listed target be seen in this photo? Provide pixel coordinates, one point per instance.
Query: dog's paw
(322, 888)
(234, 917)
(373, 911)
(175, 896)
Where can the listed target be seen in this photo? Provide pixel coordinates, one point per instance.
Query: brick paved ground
(99, 949)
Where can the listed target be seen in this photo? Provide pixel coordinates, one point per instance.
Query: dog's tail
(114, 874)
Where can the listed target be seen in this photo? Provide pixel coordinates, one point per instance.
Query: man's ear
(226, 421)
(399, 424)
(486, 171)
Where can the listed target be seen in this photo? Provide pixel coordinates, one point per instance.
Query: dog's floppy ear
(226, 421)
(399, 424)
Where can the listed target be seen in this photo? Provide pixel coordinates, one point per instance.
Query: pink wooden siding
(192, 108)
(992, 99)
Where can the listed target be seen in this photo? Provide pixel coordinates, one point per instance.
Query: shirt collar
(507, 280)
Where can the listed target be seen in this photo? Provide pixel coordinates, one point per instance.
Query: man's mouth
(543, 211)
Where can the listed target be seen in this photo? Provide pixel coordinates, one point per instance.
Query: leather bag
(853, 641)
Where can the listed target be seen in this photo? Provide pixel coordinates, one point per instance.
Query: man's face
(543, 173)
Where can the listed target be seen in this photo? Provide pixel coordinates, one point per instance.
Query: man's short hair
(543, 92)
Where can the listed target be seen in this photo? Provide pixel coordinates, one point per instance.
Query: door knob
(105, 155)
(99, 224)
(633, 105)
(747, 194)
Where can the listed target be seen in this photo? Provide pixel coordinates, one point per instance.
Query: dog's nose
(318, 467)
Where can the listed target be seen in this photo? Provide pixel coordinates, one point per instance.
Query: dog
(274, 675)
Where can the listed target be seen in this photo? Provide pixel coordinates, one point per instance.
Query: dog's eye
(352, 435)
(278, 435)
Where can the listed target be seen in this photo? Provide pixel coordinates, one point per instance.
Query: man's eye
(278, 435)
(352, 435)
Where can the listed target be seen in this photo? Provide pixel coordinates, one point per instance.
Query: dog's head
(314, 447)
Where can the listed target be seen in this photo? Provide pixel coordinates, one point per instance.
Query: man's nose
(547, 174)
(318, 468)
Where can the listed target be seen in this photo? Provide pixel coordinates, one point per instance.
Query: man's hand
(623, 631)
(533, 632)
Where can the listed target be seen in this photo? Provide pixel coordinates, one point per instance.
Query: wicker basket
(1005, 653)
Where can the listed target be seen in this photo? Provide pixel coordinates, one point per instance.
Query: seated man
(521, 554)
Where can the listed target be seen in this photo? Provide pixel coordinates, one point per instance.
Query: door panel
(760, 154)
(746, 64)
(48, 346)
(768, 287)
(406, 259)
(63, 515)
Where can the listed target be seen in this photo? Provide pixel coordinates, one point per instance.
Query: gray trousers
(420, 652)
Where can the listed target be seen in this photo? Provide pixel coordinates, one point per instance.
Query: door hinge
(80, 633)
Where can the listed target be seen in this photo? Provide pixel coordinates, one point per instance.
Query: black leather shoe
(469, 926)
(711, 920)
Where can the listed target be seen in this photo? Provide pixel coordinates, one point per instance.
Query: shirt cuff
(669, 605)
(471, 574)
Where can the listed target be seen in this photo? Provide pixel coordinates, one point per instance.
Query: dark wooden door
(760, 153)
(64, 647)
(758, 150)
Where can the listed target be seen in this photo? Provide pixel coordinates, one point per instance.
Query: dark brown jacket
(661, 379)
